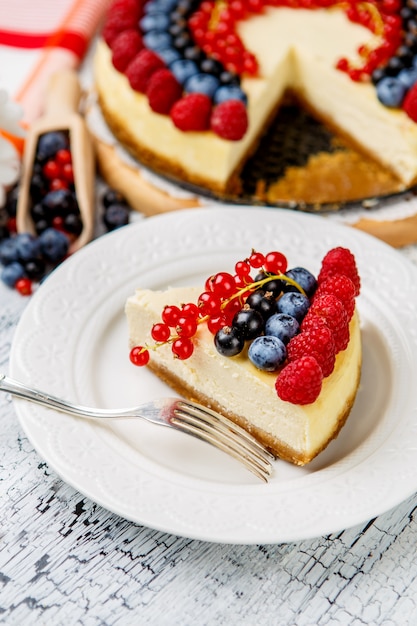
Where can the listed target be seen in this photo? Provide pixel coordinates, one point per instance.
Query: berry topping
(163, 91)
(141, 68)
(267, 353)
(229, 120)
(192, 112)
(300, 381)
(343, 288)
(340, 261)
(333, 313)
(228, 341)
(124, 47)
(293, 303)
(316, 341)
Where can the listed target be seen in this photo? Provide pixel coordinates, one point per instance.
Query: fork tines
(221, 432)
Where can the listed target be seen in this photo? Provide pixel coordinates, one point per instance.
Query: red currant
(51, 170)
(139, 356)
(170, 315)
(182, 348)
(223, 284)
(24, 286)
(63, 157)
(186, 326)
(190, 310)
(160, 332)
(242, 268)
(275, 263)
(256, 259)
(209, 303)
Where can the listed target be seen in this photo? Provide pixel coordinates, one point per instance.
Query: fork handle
(18, 389)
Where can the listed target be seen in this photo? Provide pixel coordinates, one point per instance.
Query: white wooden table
(65, 560)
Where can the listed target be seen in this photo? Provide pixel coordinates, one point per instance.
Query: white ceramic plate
(72, 342)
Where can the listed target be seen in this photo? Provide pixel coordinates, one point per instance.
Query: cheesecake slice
(235, 387)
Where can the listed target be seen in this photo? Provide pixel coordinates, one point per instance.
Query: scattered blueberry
(50, 143)
(115, 216)
(11, 273)
(27, 246)
(54, 245)
(169, 55)
(8, 251)
(293, 303)
(408, 76)
(283, 326)
(267, 353)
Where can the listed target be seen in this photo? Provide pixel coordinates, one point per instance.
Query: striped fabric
(54, 32)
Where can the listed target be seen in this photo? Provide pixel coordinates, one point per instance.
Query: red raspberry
(124, 47)
(162, 91)
(332, 311)
(141, 68)
(339, 261)
(300, 381)
(343, 288)
(316, 341)
(229, 120)
(410, 103)
(192, 112)
(121, 16)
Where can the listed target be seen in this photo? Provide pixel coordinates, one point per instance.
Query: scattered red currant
(139, 356)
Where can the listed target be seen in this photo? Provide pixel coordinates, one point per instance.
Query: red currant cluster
(58, 171)
(381, 17)
(224, 296)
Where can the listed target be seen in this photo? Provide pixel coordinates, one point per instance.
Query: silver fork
(182, 415)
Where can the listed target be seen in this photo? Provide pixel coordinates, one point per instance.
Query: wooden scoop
(61, 113)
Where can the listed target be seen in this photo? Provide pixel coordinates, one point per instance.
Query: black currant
(228, 341)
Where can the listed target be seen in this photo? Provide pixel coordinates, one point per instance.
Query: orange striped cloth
(40, 37)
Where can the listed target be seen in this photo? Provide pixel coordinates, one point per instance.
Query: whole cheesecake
(189, 87)
(295, 428)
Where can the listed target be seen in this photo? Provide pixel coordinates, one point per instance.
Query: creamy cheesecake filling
(236, 388)
(296, 50)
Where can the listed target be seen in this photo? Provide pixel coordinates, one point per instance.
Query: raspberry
(343, 288)
(300, 381)
(141, 68)
(124, 47)
(410, 103)
(229, 120)
(162, 91)
(332, 311)
(340, 261)
(316, 341)
(192, 112)
(119, 19)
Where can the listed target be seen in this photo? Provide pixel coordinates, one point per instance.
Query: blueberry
(169, 55)
(8, 251)
(304, 278)
(37, 188)
(115, 216)
(156, 21)
(283, 326)
(54, 245)
(50, 143)
(390, 91)
(183, 70)
(28, 247)
(229, 92)
(11, 273)
(112, 196)
(228, 341)
(202, 83)
(73, 223)
(154, 40)
(293, 303)
(267, 353)
(160, 6)
(60, 202)
(408, 76)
